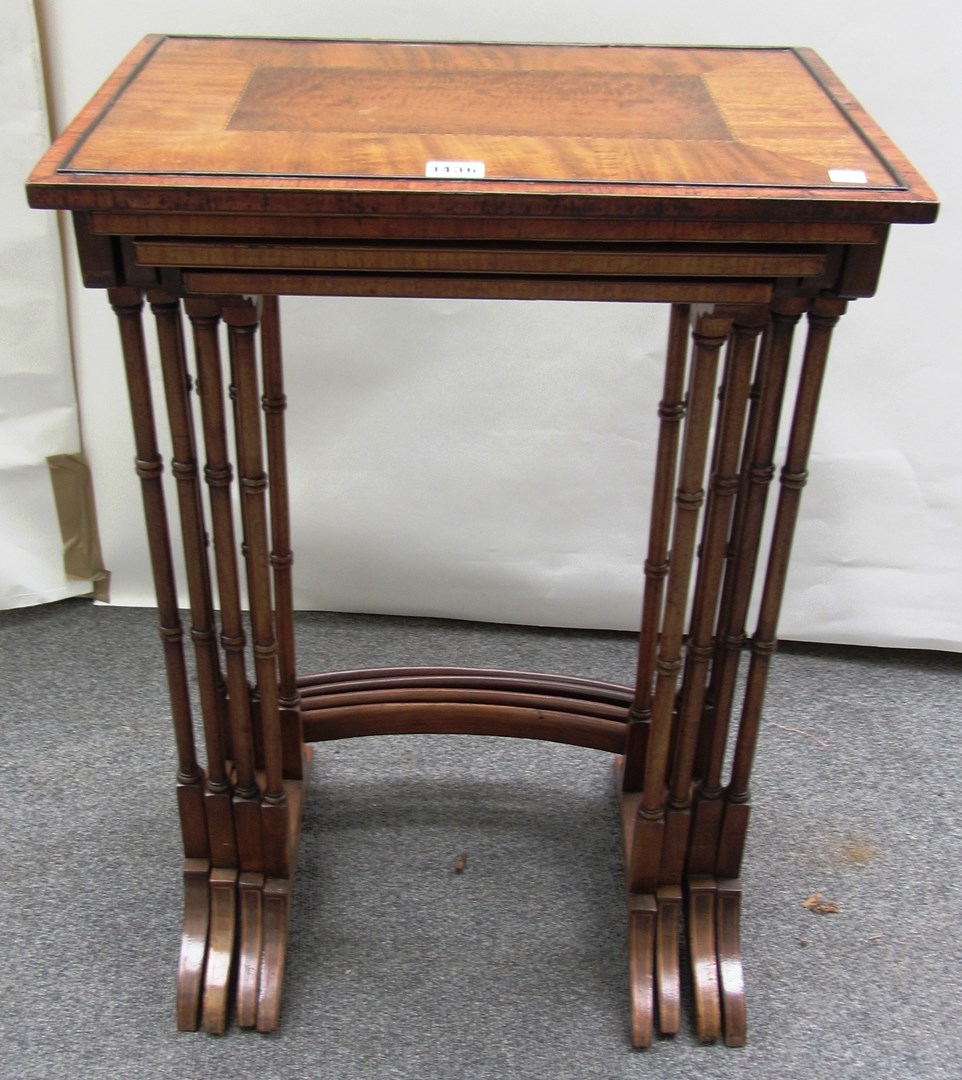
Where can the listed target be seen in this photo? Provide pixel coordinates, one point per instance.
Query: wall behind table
(48, 547)
(490, 461)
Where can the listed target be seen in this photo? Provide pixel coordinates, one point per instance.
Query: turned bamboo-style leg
(278, 891)
(671, 412)
(266, 934)
(242, 321)
(644, 814)
(282, 557)
(728, 442)
(707, 731)
(205, 319)
(709, 335)
(127, 304)
(823, 316)
(653, 942)
(715, 950)
(731, 825)
(177, 386)
(747, 326)
(757, 473)
(248, 909)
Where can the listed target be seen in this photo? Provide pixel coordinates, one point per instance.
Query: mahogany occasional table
(744, 187)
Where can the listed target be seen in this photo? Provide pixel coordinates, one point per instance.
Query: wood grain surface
(323, 116)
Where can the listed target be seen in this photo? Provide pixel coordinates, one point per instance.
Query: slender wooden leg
(754, 397)
(242, 323)
(177, 385)
(671, 412)
(127, 304)
(709, 335)
(249, 905)
(193, 944)
(823, 316)
(730, 429)
(205, 318)
(644, 813)
(757, 473)
(282, 557)
(724, 485)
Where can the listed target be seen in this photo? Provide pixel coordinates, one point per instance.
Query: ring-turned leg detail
(193, 944)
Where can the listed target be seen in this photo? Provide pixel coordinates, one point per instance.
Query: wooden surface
(224, 173)
(204, 117)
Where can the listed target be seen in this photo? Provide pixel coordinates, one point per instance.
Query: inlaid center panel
(547, 103)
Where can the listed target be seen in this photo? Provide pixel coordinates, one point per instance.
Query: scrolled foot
(704, 958)
(193, 944)
(220, 950)
(730, 974)
(667, 959)
(250, 889)
(277, 900)
(642, 926)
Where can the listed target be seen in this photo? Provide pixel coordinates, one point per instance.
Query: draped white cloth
(38, 407)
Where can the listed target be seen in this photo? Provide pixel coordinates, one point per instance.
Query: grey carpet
(401, 968)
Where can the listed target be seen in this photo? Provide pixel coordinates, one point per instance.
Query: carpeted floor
(402, 968)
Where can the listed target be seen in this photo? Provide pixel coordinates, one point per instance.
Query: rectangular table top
(228, 124)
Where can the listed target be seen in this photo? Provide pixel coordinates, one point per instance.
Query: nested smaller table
(743, 187)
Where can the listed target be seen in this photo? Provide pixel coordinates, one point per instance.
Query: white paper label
(455, 170)
(847, 176)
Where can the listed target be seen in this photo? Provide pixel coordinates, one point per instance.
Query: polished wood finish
(212, 118)
(193, 943)
(671, 412)
(274, 404)
(177, 386)
(745, 187)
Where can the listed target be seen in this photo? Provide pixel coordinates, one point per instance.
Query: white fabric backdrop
(490, 461)
(38, 408)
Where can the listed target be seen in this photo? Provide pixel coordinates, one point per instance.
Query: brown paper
(74, 497)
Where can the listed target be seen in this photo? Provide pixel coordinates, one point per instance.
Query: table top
(222, 124)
